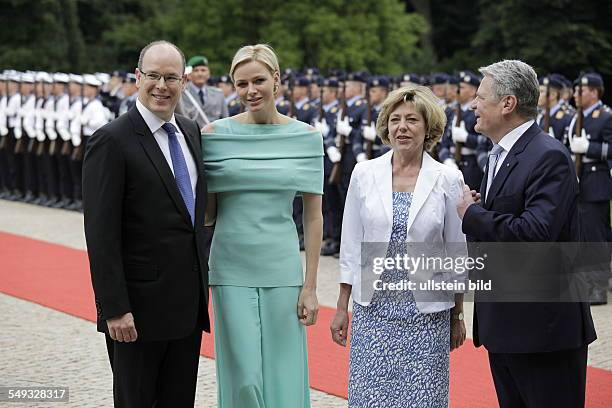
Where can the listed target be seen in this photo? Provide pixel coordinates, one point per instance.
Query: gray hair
(514, 77)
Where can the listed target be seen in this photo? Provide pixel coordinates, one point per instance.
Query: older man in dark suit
(537, 350)
(144, 199)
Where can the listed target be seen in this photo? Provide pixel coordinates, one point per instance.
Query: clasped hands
(469, 197)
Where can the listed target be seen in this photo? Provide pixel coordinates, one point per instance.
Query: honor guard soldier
(4, 169)
(378, 89)
(590, 134)
(201, 102)
(111, 93)
(130, 93)
(467, 145)
(232, 101)
(304, 110)
(28, 141)
(14, 136)
(63, 148)
(332, 211)
(409, 79)
(46, 135)
(552, 116)
(75, 87)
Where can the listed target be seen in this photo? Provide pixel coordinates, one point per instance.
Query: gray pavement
(40, 346)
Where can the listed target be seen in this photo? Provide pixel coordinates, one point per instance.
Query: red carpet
(58, 277)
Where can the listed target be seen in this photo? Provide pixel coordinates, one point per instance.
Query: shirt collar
(231, 97)
(513, 136)
(203, 88)
(351, 101)
(153, 121)
(301, 103)
(555, 108)
(590, 110)
(466, 106)
(330, 105)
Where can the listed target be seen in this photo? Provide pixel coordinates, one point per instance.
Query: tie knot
(497, 149)
(169, 128)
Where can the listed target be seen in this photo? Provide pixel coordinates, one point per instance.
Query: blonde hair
(425, 103)
(258, 52)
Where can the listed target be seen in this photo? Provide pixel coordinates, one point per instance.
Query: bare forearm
(313, 234)
(344, 296)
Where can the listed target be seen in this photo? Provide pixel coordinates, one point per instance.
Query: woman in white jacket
(403, 202)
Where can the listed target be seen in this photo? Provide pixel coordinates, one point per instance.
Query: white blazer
(433, 219)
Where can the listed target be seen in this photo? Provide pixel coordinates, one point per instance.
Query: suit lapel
(428, 175)
(193, 141)
(383, 178)
(509, 163)
(156, 156)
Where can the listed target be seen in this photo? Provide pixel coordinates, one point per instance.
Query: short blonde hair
(425, 103)
(258, 52)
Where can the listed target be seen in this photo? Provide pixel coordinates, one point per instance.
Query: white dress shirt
(62, 116)
(161, 137)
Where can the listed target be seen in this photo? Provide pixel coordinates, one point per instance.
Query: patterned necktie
(493, 158)
(201, 93)
(181, 173)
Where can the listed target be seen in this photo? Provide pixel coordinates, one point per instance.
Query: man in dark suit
(144, 197)
(537, 350)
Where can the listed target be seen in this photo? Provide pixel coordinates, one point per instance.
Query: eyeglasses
(154, 76)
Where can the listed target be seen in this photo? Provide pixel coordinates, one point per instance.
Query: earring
(275, 88)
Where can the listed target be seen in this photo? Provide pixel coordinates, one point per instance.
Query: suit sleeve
(103, 193)
(352, 232)
(601, 150)
(548, 197)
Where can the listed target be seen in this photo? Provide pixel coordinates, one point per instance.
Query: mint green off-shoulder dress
(255, 266)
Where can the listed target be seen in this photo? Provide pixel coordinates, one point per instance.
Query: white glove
(64, 134)
(343, 127)
(551, 132)
(3, 131)
(361, 157)
(51, 133)
(31, 133)
(451, 163)
(579, 145)
(369, 132)
(334, 154)
(17, 133)
(322, 127)
(40, 135)
(76, 140)
(460, 135)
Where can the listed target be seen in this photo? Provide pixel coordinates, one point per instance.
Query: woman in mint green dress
(256, 162)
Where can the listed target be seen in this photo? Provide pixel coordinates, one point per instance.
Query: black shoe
(330, 248)
(50, 202)
(4, 194)
(599, 296)
(77, 205)
(40, 199)
(337, 255)
(63, 203)
(29, 197)
(16, 196)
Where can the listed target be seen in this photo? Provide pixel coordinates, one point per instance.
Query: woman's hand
(307, 307)
(339, 327)
(457, 333)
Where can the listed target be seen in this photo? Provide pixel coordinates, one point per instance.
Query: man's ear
(509, 104)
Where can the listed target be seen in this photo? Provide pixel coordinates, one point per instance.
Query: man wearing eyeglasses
(201, 102)
(144, 195)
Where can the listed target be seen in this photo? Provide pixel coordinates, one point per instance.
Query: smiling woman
(256, 163)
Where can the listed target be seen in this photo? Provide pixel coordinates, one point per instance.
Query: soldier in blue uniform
(304, 110)
(594, 175)
(234, 106)
(332, 210)
(558, 118)
(283, 104)
(378, 89)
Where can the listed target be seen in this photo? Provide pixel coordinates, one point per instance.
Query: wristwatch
(457, 316)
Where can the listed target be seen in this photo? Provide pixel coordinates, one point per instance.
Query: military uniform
(559, 119)
(596, 187)
(4, 168)
(28, 120)
(204, 105)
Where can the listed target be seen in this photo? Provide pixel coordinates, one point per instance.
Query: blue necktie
(491, 171)
(181, 173)
(201, 94)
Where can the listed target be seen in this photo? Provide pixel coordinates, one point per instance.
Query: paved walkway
(43, 347)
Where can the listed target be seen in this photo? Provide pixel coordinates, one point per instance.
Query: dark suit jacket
(145, 255)
(533, 198)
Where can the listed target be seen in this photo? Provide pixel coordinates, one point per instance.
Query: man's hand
(580, 145)
(122, 328)
(339, 327)
(343, 127)
(369, 132)
(469, 197)
(334, 154)
(458, 333)
(459, 133)
(322, 127)
(307, 307)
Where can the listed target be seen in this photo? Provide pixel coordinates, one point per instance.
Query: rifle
(458, 119)
(292, 112)
(79, 151)
(547, 109)
(321, 110)
(335, 178)
(578, 128)
(369, 144)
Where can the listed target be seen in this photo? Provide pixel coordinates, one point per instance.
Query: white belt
(467, 151)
